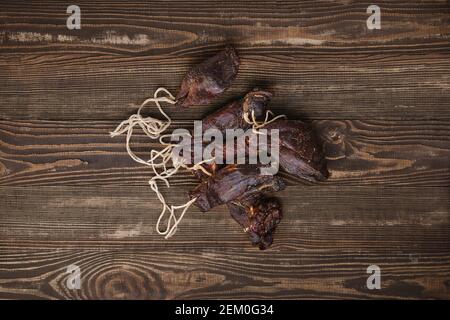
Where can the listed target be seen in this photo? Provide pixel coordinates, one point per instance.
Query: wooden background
(69, 194)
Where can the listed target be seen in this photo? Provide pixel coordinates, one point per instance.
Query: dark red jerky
(234, 182)
(231, 117)
(208, 79)
(259, 218)
(300, 152)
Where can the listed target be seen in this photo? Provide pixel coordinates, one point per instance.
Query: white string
(154, 128)
(163, 176)
(257, 125)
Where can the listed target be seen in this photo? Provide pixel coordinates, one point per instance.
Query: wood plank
(69, 194)
(318, 57)
(358, 152)
(130, 274)
(305, 85)
(180, 27)
(323, 246)
(80, 216)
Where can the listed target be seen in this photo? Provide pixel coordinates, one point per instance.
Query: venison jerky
(231, 117)
(300, 152)
(208, 79)
(234, 182)
(259, 217)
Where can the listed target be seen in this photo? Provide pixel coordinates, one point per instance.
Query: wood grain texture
(358, 153)
(323, 246)
(316, 56)
(69, 194)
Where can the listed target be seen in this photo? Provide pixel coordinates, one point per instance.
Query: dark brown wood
(318, 57)
(358, 152)
(69, 194)
(328, 238)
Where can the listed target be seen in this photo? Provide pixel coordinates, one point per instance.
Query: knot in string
(258, 125)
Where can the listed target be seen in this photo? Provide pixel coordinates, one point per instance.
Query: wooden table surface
(69, 194)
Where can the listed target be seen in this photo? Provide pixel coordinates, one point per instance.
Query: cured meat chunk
(300, 152)
(234, 182)
(208, 79)
(259, 218)
(231, 116)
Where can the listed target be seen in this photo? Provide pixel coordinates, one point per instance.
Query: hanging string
(258, 125)
(154, 128)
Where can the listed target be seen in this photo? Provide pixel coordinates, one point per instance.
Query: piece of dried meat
(234, 182)
(258, 216)
(300, 152)
(231, 117)
(208, 79)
